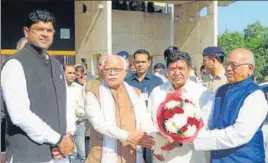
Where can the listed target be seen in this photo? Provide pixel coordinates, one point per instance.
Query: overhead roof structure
(220, 2)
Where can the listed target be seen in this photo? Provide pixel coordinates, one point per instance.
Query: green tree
(255, 38)
(255, 31)
(229, 41)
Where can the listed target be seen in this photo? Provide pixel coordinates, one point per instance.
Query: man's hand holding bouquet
(178, 120)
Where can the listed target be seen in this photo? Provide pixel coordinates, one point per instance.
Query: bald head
(243, 55)
(240, 65)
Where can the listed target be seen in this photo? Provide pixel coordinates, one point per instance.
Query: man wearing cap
(125, 55)
(213, 58)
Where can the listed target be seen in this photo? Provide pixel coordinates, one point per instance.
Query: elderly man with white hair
(118, 116)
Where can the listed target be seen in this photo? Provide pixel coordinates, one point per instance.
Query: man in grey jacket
(34, 93)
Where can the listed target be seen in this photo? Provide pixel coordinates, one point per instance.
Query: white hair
(251, 60)
(114, 58)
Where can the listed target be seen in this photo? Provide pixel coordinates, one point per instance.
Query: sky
(238, 15)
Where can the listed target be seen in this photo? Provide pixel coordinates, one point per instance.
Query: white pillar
(109, 26)
(215, 21)
(171, 26)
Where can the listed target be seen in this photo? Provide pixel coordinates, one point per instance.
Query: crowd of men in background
(60, 105)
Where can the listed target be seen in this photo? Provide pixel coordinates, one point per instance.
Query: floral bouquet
(178, 120)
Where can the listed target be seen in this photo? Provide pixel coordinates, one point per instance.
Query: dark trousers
(87, 144)
(3, 131)
(147, 155)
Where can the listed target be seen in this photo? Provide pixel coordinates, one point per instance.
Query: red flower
(184, 128)
(179, 99)
(178, 110)
(174, 96)
(193, 121)
(168, 114)
(163, 115)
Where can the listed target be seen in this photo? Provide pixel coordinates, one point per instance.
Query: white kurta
(38, 130)
(243, 129)
(199, 95)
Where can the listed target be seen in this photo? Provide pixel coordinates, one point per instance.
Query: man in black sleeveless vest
(34, 93)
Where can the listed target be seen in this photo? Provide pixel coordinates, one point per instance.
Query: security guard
(213, 58)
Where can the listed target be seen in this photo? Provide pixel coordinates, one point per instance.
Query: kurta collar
(185, 89)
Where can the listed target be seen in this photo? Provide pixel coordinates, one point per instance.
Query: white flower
(170, 126)
(190, 131)
(189, 110)
(180, 120)
(171, 104)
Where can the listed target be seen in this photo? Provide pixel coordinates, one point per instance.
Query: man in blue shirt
(141, 79)
(145, 82)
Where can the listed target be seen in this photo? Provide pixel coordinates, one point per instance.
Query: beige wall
(193, 33)
(135, 30)
(92, 27)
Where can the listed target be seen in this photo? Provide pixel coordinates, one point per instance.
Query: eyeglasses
(71, 72)
(235, 66)
(109, 70)
(41, 30)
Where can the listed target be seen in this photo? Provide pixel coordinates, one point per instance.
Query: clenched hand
(56, 153)
(66, 146)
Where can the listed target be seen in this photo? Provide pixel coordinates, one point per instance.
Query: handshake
(144, 140)
(64, 148)
(140, 138)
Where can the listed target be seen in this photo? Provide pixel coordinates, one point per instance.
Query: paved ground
(75, 161)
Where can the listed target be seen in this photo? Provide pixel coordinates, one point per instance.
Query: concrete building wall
(193, 33)
(134, 30)
(92, 30)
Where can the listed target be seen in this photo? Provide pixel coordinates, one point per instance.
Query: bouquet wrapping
(178, 120)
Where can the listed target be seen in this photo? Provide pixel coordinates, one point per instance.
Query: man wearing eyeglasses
(239, 109)
(213, 58)
(120, 124)
(36, 105)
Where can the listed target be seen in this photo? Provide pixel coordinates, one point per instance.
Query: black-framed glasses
(234, 66)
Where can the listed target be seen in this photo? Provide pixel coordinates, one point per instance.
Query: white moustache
(109, 78)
